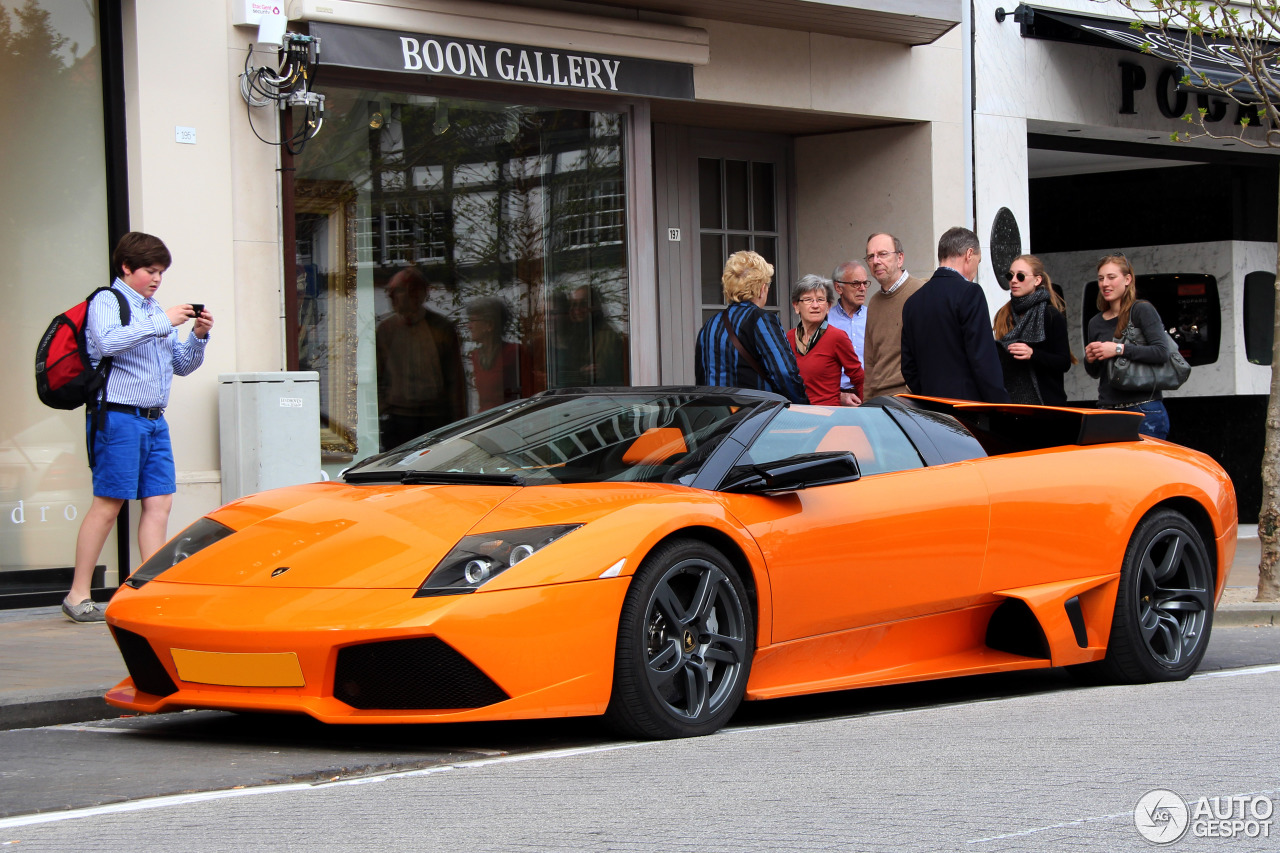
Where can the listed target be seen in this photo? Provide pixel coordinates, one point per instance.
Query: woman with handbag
(1031, 336)
(1129, 329)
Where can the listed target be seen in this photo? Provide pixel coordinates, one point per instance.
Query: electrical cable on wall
(288, 85)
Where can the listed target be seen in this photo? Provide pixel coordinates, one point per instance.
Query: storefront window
(453, 255)
(54, 240)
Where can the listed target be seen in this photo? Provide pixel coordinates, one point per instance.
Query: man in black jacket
(948, 349)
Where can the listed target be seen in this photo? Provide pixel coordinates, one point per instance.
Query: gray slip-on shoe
(86, 611)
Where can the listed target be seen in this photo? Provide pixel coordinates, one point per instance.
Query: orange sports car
(657, 555)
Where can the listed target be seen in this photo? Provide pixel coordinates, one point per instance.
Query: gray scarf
(1028, 317)
(1028, 328)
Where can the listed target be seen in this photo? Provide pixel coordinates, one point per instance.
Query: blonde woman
(1031, 333)
(743, 345)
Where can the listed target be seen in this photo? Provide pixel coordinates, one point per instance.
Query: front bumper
(548, 649)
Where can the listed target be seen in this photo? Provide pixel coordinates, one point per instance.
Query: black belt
(152, 414)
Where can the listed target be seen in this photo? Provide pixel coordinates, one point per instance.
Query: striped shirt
(716, 361)
(145, 354)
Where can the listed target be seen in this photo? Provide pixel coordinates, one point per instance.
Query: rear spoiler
(1010, 428)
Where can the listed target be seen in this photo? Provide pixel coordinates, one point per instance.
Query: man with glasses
(849, 315)
(883, 343)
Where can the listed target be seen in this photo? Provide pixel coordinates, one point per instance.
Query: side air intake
(1014, 629)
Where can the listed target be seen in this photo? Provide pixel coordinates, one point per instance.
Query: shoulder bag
(1133, 376)
(751, 360)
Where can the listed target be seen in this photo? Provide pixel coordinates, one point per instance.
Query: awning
(1210, 57)
(912, 22)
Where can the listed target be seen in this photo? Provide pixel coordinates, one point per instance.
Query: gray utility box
(269, 426)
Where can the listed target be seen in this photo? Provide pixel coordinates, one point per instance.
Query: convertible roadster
(656, 555)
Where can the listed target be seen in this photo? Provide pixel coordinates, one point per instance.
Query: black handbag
(1134, 376)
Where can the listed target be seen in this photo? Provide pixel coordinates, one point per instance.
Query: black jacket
(947, 346)
(1050, 359)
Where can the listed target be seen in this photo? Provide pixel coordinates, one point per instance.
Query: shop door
(716, 193)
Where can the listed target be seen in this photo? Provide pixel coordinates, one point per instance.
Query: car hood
(337, 536)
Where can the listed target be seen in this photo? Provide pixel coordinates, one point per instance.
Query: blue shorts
(132, 457)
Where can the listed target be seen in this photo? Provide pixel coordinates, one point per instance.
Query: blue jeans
(1155, 422)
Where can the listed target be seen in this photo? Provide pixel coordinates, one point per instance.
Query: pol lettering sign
(557, 68)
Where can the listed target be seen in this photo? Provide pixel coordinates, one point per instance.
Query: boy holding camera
(132, 454)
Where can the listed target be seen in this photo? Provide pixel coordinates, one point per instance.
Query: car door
(902, 541)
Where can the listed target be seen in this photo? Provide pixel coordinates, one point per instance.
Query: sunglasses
(1011, 275)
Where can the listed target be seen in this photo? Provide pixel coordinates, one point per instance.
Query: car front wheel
(685, 640)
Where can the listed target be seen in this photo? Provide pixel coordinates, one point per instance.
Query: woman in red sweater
(823, 352)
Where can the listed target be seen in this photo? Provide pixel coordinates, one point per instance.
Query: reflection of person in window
(495, 364)
(594, 349)
(420, 380)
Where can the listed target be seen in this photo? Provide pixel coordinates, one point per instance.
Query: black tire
(685, 642)
(1164, 607)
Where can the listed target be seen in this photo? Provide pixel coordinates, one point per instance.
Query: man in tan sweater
(883, 345)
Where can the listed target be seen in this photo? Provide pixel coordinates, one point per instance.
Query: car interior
(870, 435)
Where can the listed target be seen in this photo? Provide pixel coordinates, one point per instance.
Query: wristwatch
(1119, 349)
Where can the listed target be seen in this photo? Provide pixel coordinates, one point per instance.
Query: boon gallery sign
(470, 59)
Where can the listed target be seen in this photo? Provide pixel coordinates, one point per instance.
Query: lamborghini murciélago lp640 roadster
(657, 555)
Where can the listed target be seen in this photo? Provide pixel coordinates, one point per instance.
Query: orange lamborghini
(656, 555)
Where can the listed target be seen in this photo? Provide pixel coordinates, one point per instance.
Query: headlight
(476, 559)
(195, 538)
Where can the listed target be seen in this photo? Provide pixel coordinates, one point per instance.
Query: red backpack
(65, 376)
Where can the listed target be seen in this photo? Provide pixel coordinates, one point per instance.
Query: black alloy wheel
(685, 640)
(1164, 606)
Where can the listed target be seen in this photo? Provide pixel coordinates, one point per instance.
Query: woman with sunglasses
(823, 352)
(1119, 306)
(1031, 336)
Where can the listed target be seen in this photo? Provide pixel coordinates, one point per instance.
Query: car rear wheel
(1164, 607)
(685, 640)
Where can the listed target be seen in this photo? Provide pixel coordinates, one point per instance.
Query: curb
(1247, 614)
(56, 712)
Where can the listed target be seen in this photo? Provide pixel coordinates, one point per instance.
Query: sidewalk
(53, 671)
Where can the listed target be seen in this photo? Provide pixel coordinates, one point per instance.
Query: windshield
(592, 438)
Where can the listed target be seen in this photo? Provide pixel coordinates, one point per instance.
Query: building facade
(1074, 160)
(497, 199)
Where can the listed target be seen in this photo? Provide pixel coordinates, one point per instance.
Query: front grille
(424, 673)
(148, 674)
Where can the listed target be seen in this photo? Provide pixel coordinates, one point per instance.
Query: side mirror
(794, 473)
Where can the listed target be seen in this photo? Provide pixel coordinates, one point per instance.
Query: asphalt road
(985, 763)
